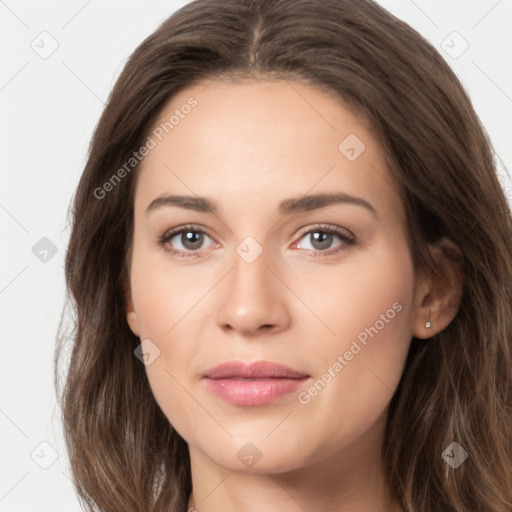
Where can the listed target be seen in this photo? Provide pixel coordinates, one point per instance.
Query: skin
(248, 146)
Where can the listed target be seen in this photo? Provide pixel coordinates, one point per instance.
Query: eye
(321, 240)
(185, 241)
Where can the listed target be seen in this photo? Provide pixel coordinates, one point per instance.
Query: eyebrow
(286, 207)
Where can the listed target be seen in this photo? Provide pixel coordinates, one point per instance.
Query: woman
(290, 262)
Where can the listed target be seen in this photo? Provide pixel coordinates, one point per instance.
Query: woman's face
(303, 263)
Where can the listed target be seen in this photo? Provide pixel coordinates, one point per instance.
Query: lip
(256, 370)
(253, 384)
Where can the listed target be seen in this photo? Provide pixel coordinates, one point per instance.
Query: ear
(438, 296)
(131, 315)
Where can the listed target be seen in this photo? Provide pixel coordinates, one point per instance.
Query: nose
(252, 298)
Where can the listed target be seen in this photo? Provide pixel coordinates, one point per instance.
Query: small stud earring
(428, 325)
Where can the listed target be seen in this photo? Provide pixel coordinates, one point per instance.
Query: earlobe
(131, 315)
(422, 323)
(439, 296)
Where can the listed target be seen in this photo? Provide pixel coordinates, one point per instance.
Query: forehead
(253, 139)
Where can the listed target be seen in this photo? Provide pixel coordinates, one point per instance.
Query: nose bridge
(251, 296)
(250, 270)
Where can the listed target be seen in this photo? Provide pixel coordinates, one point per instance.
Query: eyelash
(346, 237)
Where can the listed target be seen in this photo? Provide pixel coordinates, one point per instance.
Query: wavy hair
(457, 386)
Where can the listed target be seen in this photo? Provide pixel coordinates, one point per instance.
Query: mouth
(253, 384)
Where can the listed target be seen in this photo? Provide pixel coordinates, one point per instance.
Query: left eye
(322, 240)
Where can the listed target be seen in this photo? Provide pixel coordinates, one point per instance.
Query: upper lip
(258, 369)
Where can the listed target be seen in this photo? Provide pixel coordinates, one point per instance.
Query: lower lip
(251, 393)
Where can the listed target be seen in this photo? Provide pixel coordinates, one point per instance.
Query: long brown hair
(456, 387)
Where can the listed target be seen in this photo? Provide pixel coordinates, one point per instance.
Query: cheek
(162, 294)
(169, 314)
(367, 298)
(370, 309)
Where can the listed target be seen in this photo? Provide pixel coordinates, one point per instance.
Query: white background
(49, 108)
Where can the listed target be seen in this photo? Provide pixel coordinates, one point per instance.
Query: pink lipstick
(253, 384)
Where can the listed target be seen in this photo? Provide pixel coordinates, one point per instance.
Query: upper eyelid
(335, 230)
(187, 227)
